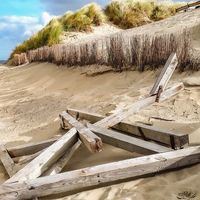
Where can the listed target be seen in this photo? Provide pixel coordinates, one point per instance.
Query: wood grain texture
(48, 157)
(62, 162)
(126, 142)
(146, 132)
(29, 148)
(165, 74)
(106, 173)
(89, 139)
(114, 119)
(7, 161)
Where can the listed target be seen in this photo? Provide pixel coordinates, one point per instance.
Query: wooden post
(114, 119)
(197, 3)
(165, 74)
(172, 139)
(91, 141)
(126, 142)
(98, 175)
(7, 161)
(30, 148)
(40, 164)
(62, 162)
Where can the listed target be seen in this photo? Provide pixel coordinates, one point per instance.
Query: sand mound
(32, 96)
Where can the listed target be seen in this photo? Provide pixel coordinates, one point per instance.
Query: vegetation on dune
(47, 36)
(130, 13)
(84, 19)
(126, 14)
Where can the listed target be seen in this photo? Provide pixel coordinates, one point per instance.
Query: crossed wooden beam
(26, 163)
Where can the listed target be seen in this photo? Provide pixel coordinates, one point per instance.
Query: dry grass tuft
(47, 36)
(84, 19)
(131, 13)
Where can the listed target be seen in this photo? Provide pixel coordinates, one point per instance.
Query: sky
(19, 19)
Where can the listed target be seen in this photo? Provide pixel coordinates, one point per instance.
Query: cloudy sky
(19, 19)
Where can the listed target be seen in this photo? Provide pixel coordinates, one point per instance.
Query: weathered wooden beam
(98, 175)
(40, 164)
(197, 3)
(29, 148)
(172, 139)
(7, 161)
(91, 141)
(25, 159)
(62, 162)
(114, 119)
(165, 74)
(47, 158)
(126, 142)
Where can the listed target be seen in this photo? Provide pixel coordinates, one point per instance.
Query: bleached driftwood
(172, 139)
(91, 141)
(98, 175)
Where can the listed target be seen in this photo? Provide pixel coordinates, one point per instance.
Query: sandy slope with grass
(32, 96)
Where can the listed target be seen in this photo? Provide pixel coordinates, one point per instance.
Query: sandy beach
(32, 96)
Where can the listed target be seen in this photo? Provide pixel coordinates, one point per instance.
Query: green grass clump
(47, 36)
(133, 13)
(84, 19)
(162, 11)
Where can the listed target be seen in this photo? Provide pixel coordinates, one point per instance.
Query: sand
(32, 96)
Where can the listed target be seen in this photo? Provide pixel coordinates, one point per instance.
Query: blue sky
(19, 19)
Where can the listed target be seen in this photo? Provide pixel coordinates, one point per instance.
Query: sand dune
(31, 97)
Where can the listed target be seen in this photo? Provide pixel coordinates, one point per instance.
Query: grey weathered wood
(25, 159)
(40, 164)
(91, 141)
(126, 142)
(193, 4)
(30, 148)
(173, 139)
(7, 161)
(165, 74)
(62, 162)
(98, 175)
(136, 107)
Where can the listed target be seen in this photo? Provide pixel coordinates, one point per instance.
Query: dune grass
(126, 14)
(132, 13)
(83, 19)
(46, 37)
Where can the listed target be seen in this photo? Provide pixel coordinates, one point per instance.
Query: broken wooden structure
(29, 166)
(188, 5)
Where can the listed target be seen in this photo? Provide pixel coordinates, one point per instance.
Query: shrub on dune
(132, 13)
(84, 19)
(47, 36)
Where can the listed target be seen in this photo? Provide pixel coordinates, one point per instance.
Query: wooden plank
(172, 139)
(114, 119)
(91, 141)
(98, 175)
(62, 162)
(40, 164)
(25, 159)
(197, 3)
(126, 142)
(7, 161)
(30, 148)
(165, 74)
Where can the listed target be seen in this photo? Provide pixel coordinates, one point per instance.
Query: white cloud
(46, 17)
(19, 19)
(16, 29)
